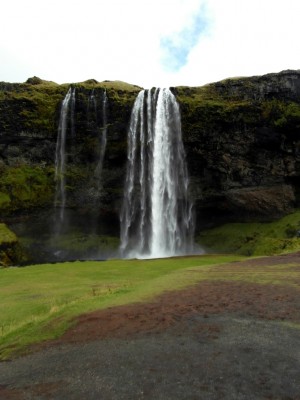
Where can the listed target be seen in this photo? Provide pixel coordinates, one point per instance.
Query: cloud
(148, 42)
(244, 38)
(176, 47)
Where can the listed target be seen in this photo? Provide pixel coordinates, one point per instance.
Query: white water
(60, 154)
(128, 209)
(156, 217)
(73, 99)
(103, 140)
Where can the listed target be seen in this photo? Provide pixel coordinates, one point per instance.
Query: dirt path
(215, 340)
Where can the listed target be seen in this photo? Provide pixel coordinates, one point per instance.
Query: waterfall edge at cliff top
(156, 217)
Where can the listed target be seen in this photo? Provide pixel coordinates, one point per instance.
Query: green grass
(283, 275)
(254, 239)
(38, 302)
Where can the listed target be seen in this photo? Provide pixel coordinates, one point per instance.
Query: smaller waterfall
(156, 217)
(103, 140)
(60, 154)
(92, 115)
(73, 99)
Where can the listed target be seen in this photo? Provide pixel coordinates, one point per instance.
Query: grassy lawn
(38, 302)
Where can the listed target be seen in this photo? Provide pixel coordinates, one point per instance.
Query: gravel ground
(217, 340)
(234, 358)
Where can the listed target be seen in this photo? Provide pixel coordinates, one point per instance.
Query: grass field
(38, 302)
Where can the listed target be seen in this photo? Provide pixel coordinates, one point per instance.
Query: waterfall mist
(156, 216)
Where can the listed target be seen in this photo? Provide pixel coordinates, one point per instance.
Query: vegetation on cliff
(242, 135)
(11, 253)
(29, 115)
(24, 186)
(254, 239)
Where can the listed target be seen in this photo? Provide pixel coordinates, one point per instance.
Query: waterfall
(156, 216)
(103, 140)
(92, 115)
(73, 99)
(60, 154)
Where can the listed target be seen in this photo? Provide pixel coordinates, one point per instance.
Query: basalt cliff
(241, 138)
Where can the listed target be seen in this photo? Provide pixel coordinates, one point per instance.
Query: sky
(147, 42)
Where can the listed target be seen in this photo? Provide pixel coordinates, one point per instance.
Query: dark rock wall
(242, 139)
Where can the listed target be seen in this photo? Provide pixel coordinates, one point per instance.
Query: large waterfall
(156, 216)
(60, 154)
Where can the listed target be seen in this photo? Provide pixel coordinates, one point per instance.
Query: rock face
(242, 143)
(241, 139)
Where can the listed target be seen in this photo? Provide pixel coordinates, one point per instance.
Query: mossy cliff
(242, 143)
(241, 138)
(254, 238)
(29, 115)
(29, 119)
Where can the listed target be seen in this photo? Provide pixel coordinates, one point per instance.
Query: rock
(241, 137)
(11, 253)
(265, 202)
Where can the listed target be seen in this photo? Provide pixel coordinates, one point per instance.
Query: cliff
(241, 138)
(242, 142)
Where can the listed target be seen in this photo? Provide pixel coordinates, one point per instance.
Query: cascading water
(73, 99)
(92, 115)
(60, 154)
(103, 140)
(156, 217)
(92, 125)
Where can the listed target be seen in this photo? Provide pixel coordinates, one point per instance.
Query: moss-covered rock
(25, 187)
(254, 239)
(11, 253)
(242, 135)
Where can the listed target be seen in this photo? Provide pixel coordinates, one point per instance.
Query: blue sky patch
(176, 48)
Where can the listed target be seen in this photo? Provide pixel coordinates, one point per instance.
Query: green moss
(205, 109)
(34, 106)
(289, 119)
(31, 107)
(25, 187)
(4, 201)
(270, 246)
(6, 235)
(11, 252)
(254, 238)
(119, 85)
